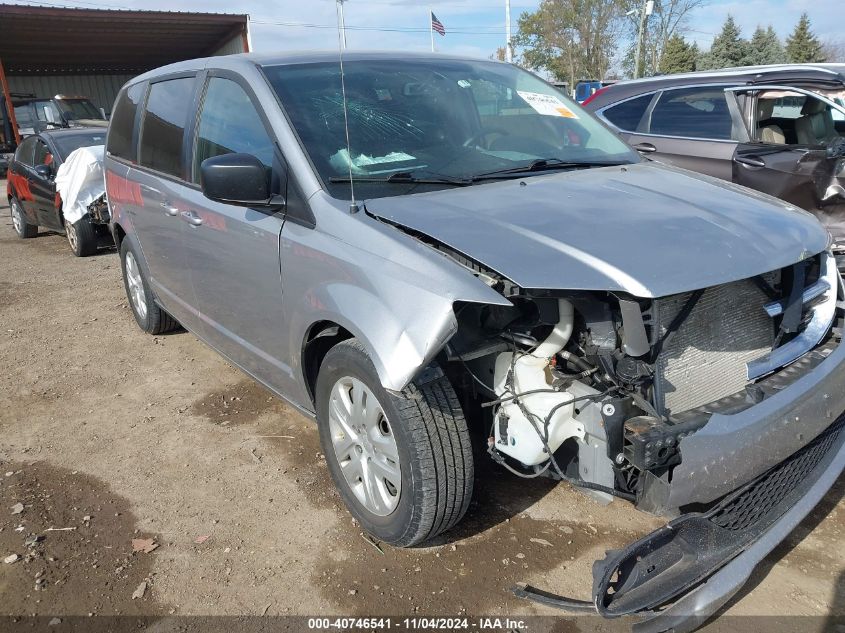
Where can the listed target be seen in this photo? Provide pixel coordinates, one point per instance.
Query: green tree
(679, 56)
(572, 39)
(669, 18)
(803, 47)
(728, 49)
(765, 47)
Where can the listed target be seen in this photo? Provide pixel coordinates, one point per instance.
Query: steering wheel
(475, 139)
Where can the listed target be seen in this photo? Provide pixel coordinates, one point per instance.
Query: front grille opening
(707, 357)
(744, 509)
(706, 360)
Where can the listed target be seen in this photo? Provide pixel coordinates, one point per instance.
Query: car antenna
(341, 44)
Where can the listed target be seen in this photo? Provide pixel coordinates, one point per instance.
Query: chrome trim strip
(822, 319)
(776, 308)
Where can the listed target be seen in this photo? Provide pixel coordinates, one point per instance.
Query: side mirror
(45, 171)
(239, 179)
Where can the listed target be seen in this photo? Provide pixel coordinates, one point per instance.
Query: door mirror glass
(45, 171)
(239, 179)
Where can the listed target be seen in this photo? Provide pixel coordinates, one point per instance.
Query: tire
(431, 441)
(23, 228)
(82, 237)
(148, 314)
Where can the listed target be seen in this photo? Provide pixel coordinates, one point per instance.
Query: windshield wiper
(405, 178)
(541, 164)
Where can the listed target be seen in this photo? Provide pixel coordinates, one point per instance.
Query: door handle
(750, 161)
(168, 210)
(645, 148)
(191, 218)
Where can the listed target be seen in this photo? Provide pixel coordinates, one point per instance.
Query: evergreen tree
(803, 46)
(679, 56)
(728, 49)
(765, 48)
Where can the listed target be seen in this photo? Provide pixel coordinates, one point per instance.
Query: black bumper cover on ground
(674, 559)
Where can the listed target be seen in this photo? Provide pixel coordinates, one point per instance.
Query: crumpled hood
(646, 229)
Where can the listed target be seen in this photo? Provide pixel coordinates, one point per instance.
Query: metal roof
(835, 72)
(51, 40)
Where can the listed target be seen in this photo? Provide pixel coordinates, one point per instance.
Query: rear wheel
(149, 316)
(82, 237)
(402, 462)
(23, 228)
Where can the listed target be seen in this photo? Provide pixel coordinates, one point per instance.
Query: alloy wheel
(17, 217)
(364, 445)
(70, 231)
(136, 286)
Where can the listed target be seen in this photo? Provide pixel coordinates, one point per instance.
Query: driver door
(786, 158)
(44, 188)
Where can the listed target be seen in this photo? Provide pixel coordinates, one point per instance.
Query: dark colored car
(777, 129)
(37, 114)
(31, 188)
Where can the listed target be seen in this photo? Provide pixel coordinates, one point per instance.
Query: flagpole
(431, 28)
(508, 49)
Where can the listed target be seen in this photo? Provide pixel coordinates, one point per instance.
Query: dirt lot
(110, 435)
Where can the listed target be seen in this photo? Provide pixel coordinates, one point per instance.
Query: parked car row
(439, 258)
(31, 189)
(37, 114)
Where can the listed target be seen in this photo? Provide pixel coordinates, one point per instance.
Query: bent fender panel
(402, 313)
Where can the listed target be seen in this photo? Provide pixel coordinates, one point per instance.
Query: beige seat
(769, 133)
(815, 126)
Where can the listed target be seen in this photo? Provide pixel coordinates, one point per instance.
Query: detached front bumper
(706, 557)
(693, 609)
(744, 483)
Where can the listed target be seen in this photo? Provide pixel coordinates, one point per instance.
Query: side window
(229, 123)
(163, 127)
(25, 151)
(122, 122)
(692, 112)
(628, 114)
(42, 154)
(792, 118)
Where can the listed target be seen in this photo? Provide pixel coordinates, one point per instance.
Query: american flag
(437, 25)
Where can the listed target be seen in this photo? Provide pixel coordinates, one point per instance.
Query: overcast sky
(474, 27)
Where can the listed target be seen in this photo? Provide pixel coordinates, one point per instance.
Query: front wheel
(82, 237)
(148, 314)
(402, 462)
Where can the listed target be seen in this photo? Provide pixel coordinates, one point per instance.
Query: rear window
(693, 113)
(68, 144)
(164, 125)
(123, 122)
(628, 114)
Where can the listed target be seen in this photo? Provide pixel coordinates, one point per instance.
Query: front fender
(402, 313)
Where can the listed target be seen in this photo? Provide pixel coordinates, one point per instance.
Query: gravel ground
(113, 440)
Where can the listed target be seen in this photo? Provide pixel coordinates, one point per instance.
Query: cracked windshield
(435, 124)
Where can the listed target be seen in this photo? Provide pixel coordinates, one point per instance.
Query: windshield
(47, 112)
(79, 109)
(67, 143)
(449, 119)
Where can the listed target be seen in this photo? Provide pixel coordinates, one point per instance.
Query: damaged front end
(718, 407)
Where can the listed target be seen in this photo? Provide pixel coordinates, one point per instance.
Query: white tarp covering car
(79, 181)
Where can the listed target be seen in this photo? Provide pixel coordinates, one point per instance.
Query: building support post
(7, 95)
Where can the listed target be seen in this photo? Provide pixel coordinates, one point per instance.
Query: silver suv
(444, 260)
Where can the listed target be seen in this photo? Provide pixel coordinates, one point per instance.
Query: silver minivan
(444, 260)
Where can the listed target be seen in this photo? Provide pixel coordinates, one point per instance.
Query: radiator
(706, 358)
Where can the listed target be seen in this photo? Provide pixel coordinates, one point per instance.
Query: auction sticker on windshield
(549, 105)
